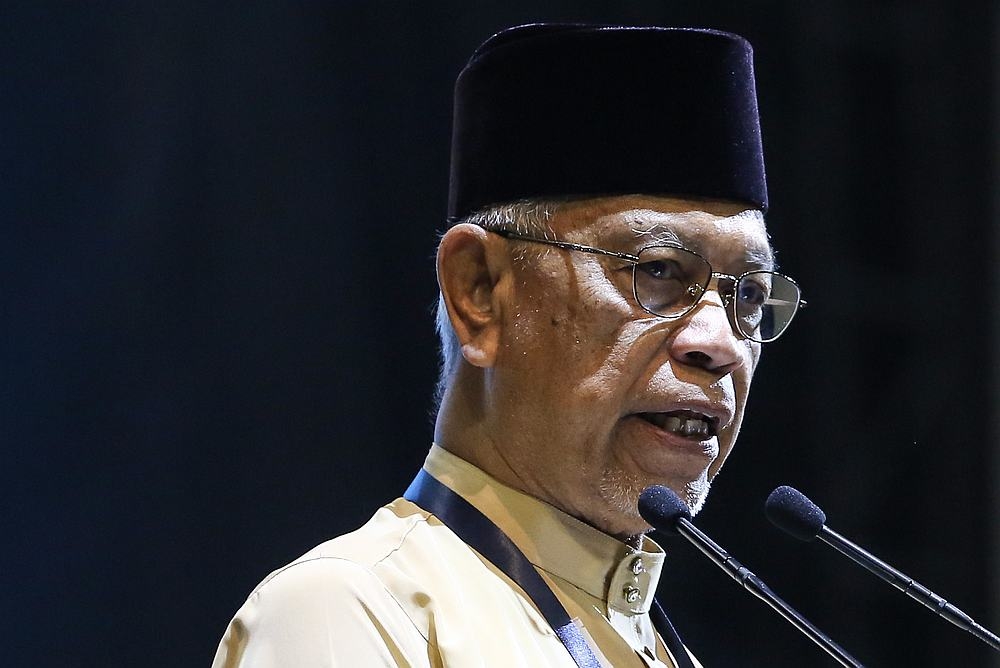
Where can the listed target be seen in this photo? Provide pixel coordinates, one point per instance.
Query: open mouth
(688, 424)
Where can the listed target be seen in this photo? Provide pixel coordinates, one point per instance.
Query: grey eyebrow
(654, 232)
(762, 259)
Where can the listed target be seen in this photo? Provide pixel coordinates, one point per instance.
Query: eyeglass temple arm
(567, 245)
(785, 302)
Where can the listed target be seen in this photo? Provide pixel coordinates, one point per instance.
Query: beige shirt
(403, 590)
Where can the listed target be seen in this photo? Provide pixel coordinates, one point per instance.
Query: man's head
(581, 371)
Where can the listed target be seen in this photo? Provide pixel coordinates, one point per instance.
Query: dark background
(218, 227)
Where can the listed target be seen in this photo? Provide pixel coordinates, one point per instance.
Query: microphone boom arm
(907, 585)
(756, 586)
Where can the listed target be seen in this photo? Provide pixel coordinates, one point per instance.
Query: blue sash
(479, 533)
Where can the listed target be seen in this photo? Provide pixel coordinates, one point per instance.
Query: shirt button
(637, 566)
(631, 593)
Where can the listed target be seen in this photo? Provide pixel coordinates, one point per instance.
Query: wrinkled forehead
(719, 230)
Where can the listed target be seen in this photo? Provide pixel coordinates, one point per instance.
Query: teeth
(692, 427)
(686, 426)
(695, 428)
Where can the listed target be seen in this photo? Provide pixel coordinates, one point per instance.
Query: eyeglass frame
(727, 296)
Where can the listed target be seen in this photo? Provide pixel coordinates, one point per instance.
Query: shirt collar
(623, 577)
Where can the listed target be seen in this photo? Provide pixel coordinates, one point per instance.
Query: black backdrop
(218, 229)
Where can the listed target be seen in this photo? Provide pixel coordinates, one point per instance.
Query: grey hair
(529, 217)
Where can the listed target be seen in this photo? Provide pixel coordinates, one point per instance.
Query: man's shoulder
(339, 595)
(388, 529)
(384, 591)
(392, 546)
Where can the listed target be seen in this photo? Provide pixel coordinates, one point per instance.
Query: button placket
(629, 586)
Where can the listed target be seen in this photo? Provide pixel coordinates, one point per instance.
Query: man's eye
(663, 270)
(751, 293)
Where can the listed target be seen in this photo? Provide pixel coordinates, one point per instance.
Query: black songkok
(554, 110)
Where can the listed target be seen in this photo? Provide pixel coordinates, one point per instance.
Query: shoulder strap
(486, 538)
(670, 637)
(477, 531)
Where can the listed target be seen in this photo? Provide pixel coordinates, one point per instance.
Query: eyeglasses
(669, 281)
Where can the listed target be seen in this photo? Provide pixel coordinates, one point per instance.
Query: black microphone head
(790, 510)
(662, 508)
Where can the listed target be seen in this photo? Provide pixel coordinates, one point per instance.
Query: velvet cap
(564, 110)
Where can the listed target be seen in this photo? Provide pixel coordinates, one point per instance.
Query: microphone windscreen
(790, 510)
(661, 507)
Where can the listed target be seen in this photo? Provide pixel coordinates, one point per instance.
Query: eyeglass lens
(669, 281)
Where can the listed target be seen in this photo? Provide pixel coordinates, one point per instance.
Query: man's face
(600, 398)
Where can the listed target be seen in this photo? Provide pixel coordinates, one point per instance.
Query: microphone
(664, 510)
(791, 511)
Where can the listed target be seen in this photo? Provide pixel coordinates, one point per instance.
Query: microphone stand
(907, 585)
(756, 586)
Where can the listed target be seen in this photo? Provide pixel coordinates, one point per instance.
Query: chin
(620, 492)
(696, 493)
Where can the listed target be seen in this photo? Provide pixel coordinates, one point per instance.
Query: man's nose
(705, 338)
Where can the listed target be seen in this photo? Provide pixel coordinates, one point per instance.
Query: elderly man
(605, 290)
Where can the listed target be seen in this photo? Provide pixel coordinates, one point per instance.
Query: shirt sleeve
(323, 613)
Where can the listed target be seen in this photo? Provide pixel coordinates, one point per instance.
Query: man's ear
(470, 264)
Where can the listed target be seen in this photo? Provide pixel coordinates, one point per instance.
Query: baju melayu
(406, 590)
